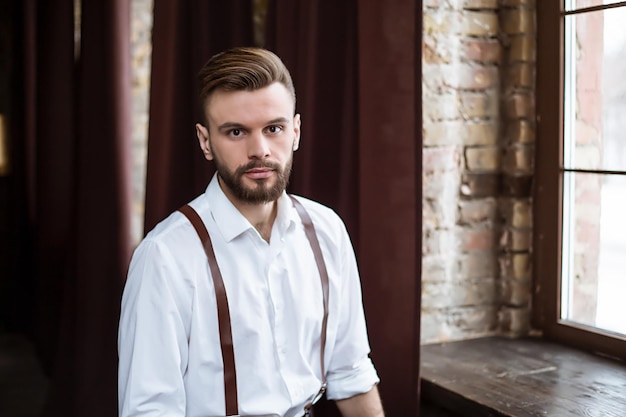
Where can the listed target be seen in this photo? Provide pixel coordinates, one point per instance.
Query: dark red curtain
(71, 139)
(186, 33)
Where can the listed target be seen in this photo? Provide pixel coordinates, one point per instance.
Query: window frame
(548, 192)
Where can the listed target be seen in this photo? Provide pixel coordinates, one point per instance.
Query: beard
(262, 191)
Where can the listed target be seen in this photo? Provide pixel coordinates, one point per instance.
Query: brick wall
(141, 38)
(478, 103)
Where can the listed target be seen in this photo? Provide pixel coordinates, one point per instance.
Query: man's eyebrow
(230, 125)
(278, 120)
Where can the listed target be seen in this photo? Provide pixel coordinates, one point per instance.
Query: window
(580, 190)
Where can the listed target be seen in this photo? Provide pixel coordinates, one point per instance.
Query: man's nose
(258, 146)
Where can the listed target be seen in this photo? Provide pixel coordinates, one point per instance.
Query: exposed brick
(469, 266)
(520, 131)
(433, 184)
(479, 105)
(516, 213)
(521, 75)
(475, 265)
(442, 133)
(518, 159)
(476, 239)
(515, 266)
(515, 21)
(523, 48)
(439, 212)
(435, 242)
(474, 77)
(436, 267)
(486, 51)
(485, 133)
(514, 321)
(515, 293)
(482, 159)
(480, 4)
(522, 240)
(479, 185)
(477, 319)
(439, 159)
(438, 295)
(441, 21)
(517, 186)
(477, 211)
(515, 3)
(479, 23)
(449, 324)
(522, 214)
(441, 106)
(515, 240)
(436, 77)
(440, 49)
(520, 105)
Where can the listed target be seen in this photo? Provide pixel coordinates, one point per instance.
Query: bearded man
(246, 301)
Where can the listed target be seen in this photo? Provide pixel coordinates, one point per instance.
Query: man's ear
(203, 140)
(296, 131)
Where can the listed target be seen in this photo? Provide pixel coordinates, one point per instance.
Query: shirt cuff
(357, 380)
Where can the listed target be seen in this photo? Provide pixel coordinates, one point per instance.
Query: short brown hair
(243, 68)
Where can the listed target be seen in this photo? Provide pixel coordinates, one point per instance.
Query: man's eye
(274, 129)
(235, 132)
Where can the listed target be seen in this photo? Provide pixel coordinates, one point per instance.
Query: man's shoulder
(174, 226)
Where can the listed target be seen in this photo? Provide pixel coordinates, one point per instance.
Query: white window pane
(594, 251)
(595, 90)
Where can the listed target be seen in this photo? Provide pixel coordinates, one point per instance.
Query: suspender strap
(223, 313)
(309, 229)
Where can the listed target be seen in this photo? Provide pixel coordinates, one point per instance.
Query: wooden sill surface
(521, 377)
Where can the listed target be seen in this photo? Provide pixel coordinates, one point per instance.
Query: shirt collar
(231, 223)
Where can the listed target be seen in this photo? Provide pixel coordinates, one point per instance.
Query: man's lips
(259, 173)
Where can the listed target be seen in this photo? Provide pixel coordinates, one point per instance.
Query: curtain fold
(185, 35)
(72, 135)
(47, 159)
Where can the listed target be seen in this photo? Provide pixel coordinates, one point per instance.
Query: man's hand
(362, 405)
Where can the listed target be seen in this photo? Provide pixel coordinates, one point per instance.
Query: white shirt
(170, 361)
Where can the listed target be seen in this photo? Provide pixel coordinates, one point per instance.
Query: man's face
(251, 137)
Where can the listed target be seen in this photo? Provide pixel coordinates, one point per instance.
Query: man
(247, 319)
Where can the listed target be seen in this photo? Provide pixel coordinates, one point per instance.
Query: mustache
(257, 164)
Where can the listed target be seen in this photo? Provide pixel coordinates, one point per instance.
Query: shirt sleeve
(351, 370)
(152, 339)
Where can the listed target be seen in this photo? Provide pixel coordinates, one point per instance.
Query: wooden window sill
(527, 377)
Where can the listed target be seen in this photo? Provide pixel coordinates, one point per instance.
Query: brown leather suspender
(223, 313)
